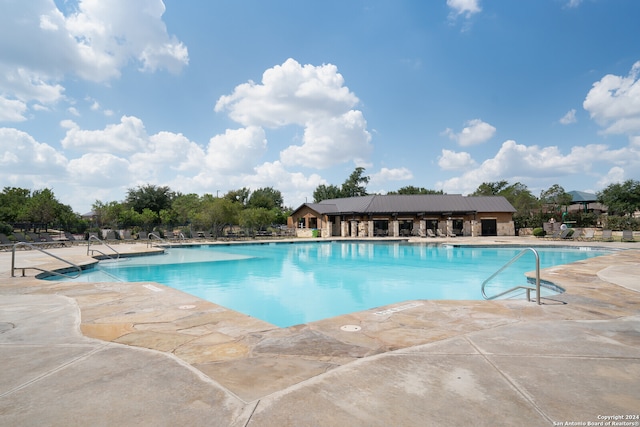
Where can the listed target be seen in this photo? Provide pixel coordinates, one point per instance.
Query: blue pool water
(289, 284)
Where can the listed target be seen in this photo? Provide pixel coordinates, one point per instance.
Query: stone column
(396, 227)
(344, 229)
(354, 228)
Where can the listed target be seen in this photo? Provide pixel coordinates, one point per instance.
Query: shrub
(538, 232)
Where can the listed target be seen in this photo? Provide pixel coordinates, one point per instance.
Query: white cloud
(615, 175)
(95, 41)
(310, 96)
(569, 118)
(12, 110)
(101, 170)
(475, 132)
(330, 142)
(464, 7)
(450, 160)
(385, 175)
(573, 3)
(614, 102)
(21, 154)
(236, 151)
(129, 136)
(515, 162)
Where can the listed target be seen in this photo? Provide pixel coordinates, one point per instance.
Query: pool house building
(405, 215)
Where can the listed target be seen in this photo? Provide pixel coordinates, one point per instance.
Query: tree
(621, 199)
(410, 189)
(150, 197)
(13, 201)
(42, 208)
(253, 219)
(267, 198)
(240, 196)
(490, 188)
(355, 185)
(216, 213)
(556, 197)
(185, 207)
(326, 192)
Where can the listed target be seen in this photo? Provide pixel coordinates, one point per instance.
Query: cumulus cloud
(95, 40)
(614, 102)
(517, 162)
(102, 170)
(475, 132)
(464, 7)
(569, 118)
(128, 136)
(616, 174)
(386, 175)
(12, 110)
(313, 97)
(237, 150)
(450, 160)
(20, 153)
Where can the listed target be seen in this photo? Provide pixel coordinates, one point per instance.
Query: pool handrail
(56, 273)
(92, 237)
(515, 288)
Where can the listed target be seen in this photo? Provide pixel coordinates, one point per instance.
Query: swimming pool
(292, 283)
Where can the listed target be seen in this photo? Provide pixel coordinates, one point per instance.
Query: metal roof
(582, 196)
(400, 203)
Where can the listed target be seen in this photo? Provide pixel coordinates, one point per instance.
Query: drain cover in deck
(350, 328)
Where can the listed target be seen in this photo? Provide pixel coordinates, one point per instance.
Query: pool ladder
(528, 289)
(56, 273)
(98, 250)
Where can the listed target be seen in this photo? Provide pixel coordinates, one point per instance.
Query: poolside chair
(607, 235)
(627, 236)
(566, 233)
(430, 233)
(588, 235)
(20, 237)
(556, 234)
(440, 233)
(5, 242)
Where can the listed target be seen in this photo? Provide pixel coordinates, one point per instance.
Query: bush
(5, 228)
(539, 232)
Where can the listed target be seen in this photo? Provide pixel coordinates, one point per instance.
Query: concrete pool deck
(144, 354)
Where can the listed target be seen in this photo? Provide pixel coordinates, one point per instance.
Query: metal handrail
(92, 237)
(515, 288)
(14, 268)
(181, 236)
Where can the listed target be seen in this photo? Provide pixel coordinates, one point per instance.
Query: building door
(489, 227)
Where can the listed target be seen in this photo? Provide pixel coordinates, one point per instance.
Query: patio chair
(566, 233)
(627, 236)
(607, 235)
(556, 234)
(5, 242)
(20, 237)
(588, 235)
(430, 233)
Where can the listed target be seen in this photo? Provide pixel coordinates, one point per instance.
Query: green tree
(252, 219)
(13, 201)
(266, 197)
(240, 196)
(490, 188)
(216, 213)
(326, 192)
(355, 185)
(185, 207)
(148, 218)
(621, 199)
(556, 197)
(411, 190)
(150, 197)
(43, 208)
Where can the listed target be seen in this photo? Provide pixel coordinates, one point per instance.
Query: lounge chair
(71, 238)
(430, 233)
(555, 235)
(20, 237)
(566, 233)
(5, 242)
(607, 235)
(588, 235)
(627, 236)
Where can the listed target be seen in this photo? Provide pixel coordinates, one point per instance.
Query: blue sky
(209, 96)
